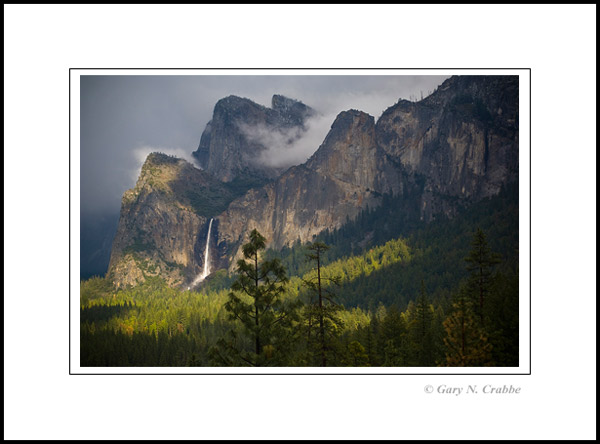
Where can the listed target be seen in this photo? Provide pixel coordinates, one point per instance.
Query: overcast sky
(123, 118)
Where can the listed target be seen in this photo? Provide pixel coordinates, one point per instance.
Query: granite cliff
(348, 172)
(451, 149)
(161, 222)
(462, 140)
(234, 140)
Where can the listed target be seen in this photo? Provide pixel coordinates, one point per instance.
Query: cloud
(124, 118)
(287, 147)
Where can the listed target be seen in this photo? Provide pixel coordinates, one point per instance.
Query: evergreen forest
(383, 290)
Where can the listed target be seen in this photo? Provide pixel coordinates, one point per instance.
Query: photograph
(300, 220)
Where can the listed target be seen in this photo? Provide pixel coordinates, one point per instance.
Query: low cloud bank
(288, 147)
(285, 148)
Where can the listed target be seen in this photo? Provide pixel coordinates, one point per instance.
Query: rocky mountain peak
(159, 223)
(235, 105)
(156, 174)
(240, 130)
(348, 152)
(449, 150)
(279, 102)
(348, 123)
(292, 112)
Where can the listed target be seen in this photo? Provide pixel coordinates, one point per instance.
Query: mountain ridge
(226, 151)
(455, 147)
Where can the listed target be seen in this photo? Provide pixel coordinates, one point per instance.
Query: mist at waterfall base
(206, 270)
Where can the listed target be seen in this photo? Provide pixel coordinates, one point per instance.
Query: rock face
(163, 222)
(463, 139)
(348, 172)
(240, 132)
(161, 229)
(453, 148)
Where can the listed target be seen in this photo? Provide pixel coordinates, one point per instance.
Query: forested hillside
(394, 242)
(437, 249)
(411, 301)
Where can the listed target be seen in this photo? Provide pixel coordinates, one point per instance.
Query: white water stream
(206, 270)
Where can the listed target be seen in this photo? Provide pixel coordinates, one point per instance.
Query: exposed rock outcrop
(463, 139)
(347, 173)
(161, 222)
(451, 149)
(239, 132)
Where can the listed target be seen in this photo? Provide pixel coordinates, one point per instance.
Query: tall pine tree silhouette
(480, 263)
(256, 302)
(323, 309)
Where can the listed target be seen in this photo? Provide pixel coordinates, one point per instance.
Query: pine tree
(256, 302)
(370, 344)
(392, 339)
(421, 330)
(480, 264)
(502, 310)
(437, 333)
(321, 313)
(466, 342)
(356, 355)
(374, 344)
(193, 361)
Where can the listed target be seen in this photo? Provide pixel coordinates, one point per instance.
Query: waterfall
(206, 265)
(206, 270)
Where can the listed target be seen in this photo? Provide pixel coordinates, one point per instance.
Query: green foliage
(209, 202)
(466, 106)
(394, 218)
(218, 280)
(256, 303)
(502, 312)
(407, 302)
(172, 265)
(321, 324)
(139, 246)
(480, 264)
(482, 327)
(393, 338)
(466, 340)
(103, 313)
(158, 158)
(356, 355)
(242, 183)
(214, 198)
(140, 243)
(346, 271)
(434, 252)
(148, 325)
(94, 288)
(420, 328)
